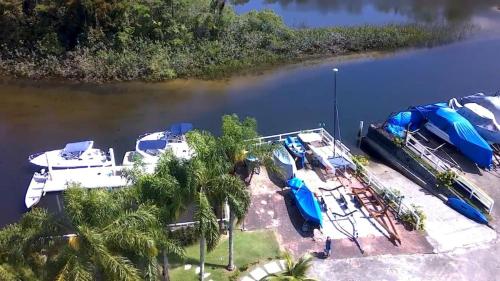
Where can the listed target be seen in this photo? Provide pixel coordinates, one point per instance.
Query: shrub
(446, 178)
(409, 219)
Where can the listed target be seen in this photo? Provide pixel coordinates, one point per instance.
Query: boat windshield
(75, 149)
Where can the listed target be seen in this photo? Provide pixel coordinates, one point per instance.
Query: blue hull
(296, 149)
(467, 210)
(306, 202)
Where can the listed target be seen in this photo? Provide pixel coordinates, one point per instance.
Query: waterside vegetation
(166, 39)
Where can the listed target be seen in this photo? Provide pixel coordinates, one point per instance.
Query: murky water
(36, 116)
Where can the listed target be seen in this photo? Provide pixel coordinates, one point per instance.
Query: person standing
(328, 246)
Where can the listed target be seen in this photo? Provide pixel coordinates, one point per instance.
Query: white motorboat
(481, 118)
(73, 155)
(88, 177)
(150, 147)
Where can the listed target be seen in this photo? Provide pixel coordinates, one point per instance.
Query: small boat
(35, 190)
(151, 146)
(306, 202)
(73, 155)
(453, 128)
(285, 162)
(296, 148)
(481, 118)
(467, 210)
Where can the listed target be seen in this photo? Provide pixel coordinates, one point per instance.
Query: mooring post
(360, 132)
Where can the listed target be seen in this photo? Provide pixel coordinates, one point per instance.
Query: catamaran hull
(57, 162)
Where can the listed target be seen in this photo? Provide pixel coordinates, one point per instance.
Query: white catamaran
(150, 147)
(73, 155)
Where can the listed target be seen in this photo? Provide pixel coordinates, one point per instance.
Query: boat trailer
(378, 210)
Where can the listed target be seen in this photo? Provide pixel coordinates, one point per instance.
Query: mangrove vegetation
(96, 40)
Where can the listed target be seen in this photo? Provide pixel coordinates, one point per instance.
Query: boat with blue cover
(467, 210)
(448, 125)
(296, 148)
(149, 147)
(306, 202)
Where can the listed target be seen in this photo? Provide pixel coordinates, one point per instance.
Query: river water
(37, 116)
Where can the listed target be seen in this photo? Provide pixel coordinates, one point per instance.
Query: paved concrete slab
(258, 273)
(446, 229)
(272, 267)
(461, 265)
(187, 267)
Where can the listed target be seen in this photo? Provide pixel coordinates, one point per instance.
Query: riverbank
(222, 45)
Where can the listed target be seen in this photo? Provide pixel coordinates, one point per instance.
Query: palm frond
(74, 270)
(7, 274)
(114, 266)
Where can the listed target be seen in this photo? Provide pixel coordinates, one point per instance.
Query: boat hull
(306, 202)
(96, 158)
(467, 210)
(296, 149)
(285, 162)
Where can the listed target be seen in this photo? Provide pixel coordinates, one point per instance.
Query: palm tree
(294, 271)
(238, 140)
(20, 256)
(102, 235)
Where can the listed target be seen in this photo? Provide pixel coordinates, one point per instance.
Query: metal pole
(335, 70)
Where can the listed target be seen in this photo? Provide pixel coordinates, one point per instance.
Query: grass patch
(249, 249)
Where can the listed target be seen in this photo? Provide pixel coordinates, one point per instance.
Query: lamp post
(335, 70)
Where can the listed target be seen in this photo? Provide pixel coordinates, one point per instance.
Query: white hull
(284, 160)
(60, 180)
(438, 132)
(91, 158)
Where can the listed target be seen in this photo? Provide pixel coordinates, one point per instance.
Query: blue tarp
(461, 132)
(152, 144)
(398, 123)
(77, 147)
(306, 202)
(181, 128)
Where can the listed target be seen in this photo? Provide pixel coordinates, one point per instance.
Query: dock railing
(441, 166)
(341, 148)
(401, 207)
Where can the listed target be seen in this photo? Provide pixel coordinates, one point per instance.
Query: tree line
(99, 40)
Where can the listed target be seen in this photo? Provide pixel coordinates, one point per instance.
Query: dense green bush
(446, 179)
(164, 39)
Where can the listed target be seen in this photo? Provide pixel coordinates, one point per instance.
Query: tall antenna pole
(335, 70)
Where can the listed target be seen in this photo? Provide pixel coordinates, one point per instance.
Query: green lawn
(249, 248)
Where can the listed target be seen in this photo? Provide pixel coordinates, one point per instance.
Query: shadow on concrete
(294, 214)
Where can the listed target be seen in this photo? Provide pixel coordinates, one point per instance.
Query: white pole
(335, 70)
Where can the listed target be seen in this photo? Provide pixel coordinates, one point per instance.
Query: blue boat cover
(76, 147)
(152, 144)
(461, 132)
(181, 128)
(306, 201)
(397, 123)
